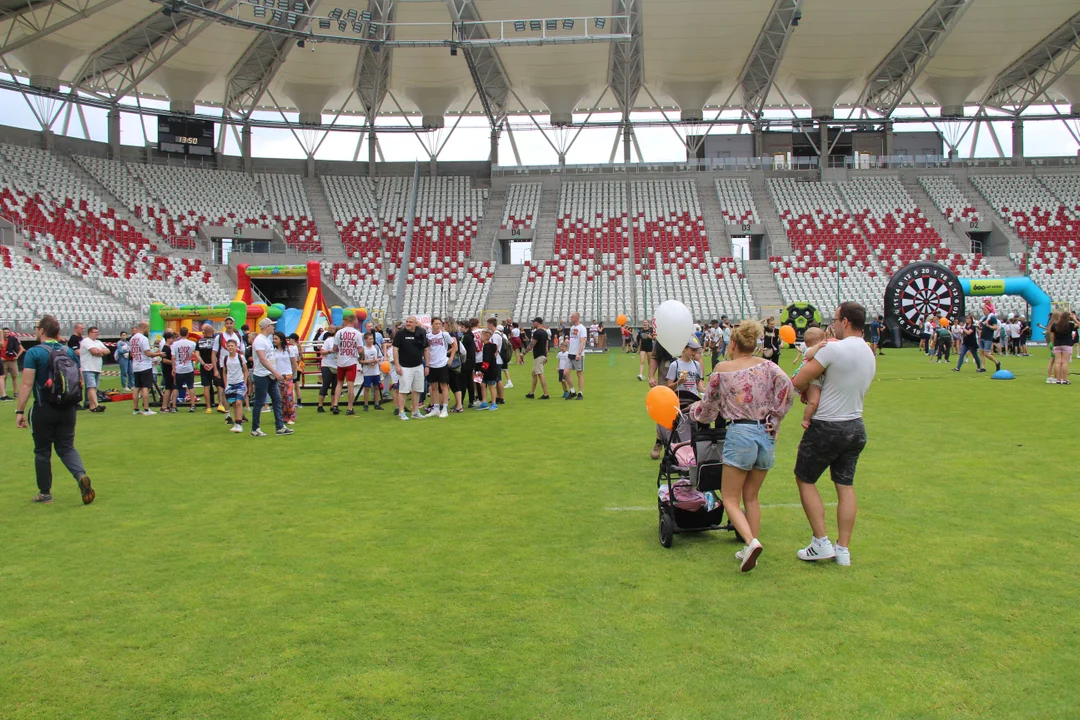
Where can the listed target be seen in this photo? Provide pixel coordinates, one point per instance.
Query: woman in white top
(328, 366)
(285, 360)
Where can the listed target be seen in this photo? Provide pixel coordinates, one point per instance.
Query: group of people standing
(750, 394)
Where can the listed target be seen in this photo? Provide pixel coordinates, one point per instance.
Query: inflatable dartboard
(800, 315)
(921, 289)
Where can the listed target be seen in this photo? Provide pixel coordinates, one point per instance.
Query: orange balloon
(944, 322)
(787, 334)
(385, 367)
(663, 405)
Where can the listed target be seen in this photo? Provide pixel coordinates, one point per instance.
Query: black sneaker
(335, 410)
(530, 396)
(190, 409)
(377, 406)
(580, 396)
(352, 412)
(229, 421)
(981, 370)
(365, 407)
(86, 491)
(500, 401)
(43, 499)
(998, 365)
(320, 409)
(545, 397)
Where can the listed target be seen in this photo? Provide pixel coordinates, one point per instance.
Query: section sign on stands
(186, 136)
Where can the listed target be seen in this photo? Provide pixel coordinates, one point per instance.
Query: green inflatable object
(800, 315)
(274, 312)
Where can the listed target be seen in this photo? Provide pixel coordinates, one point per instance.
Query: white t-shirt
(515, 333)
(1014, 330)
(850, 364)
(329, 360)
(234, 369)
(267, 346)
(564, 360)
(578, 336)
(183, 351)
(693, 371)
(439, 343)
(283, 361)
(223, 345)
(497, 338)
(372, 353)
(139, 359)
(87, 360)
(348, 342)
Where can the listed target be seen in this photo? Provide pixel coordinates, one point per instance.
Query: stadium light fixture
(535, 25)
(519, 25)
(372, 29)
(335, 14)
(795, 18)
(365, 16)
(568, 24)
(324, 23)
(298, 7)
(350, 15)
(551, 24)
(283, 4)
(260, 11)
(599, 23)
(292, 18)
(358, 27)
(453, 51)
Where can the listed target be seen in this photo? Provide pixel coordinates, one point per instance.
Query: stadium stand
(289, 204)
(736, 201)
(522, 206)
(949, 198)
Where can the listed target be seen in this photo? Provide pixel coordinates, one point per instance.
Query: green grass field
(506, 565)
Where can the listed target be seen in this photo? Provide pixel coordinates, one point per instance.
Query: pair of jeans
(53, 428)
(964, 350)
(266, 385)
(127, 377)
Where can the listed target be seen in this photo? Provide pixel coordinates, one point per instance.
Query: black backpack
(505, 352)
(62, 389)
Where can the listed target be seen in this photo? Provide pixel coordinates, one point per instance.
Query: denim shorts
(986, 345)
(749, 447)
(90, 379)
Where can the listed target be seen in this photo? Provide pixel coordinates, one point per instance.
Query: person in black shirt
(770, 349)
(411, 358)
(969, 344)
(168, 380)
(645, 351)
(205, 350)
(73, 342)
(990, 326)
(539, 346)
(468, 364)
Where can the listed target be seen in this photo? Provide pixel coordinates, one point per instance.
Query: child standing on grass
(813, 338)
(564, 368)
(491, 371)
(371, 356)
(235, 368)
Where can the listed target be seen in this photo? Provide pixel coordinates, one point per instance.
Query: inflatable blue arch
(926, 288)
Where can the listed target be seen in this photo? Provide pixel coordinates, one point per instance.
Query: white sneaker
(1050, 381)
(258, 433)
(509, 384)
(750, 554)
(433, 413)
(817, 550)
(403, 416)
(443, 413)
(417, 415)
(640, 378)
(148, 412)
(843, 555)
(237, 428)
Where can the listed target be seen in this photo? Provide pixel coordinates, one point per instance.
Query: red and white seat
(522, 206)
(949, 198)
(736, 201)
(289, 203)
(1031, 209)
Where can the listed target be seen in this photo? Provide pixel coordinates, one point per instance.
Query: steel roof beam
(256, 68)
(487, 71)
(121, 64)
(759, 71)
(1023, 82)
(372, 78)
(10, 9)
(626, 73)
(896, 74)
(58, 15)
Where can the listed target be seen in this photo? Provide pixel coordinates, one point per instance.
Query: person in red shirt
(10, 350)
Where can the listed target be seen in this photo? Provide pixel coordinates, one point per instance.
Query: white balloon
(674, 326)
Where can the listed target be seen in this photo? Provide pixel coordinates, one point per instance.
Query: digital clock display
(185, 136)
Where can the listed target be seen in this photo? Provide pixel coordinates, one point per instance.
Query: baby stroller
(690, 467)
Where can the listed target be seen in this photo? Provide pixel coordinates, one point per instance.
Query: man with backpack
(51, 373)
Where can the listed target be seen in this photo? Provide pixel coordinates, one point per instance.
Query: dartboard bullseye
(919, 290)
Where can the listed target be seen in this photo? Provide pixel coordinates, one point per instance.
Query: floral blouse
(759, 392)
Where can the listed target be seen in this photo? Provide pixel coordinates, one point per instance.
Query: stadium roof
(686, 54)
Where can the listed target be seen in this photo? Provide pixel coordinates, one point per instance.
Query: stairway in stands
(504, 291)
(762, 280)
(543, 247)
(324, 219)
(715, 225)
(769, 218)
(489, 226)
(990, 214)
(935, 216)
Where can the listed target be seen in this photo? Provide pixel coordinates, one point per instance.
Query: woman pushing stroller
(753, 395)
